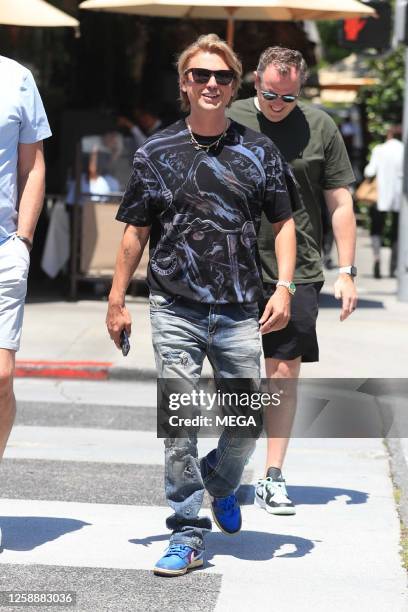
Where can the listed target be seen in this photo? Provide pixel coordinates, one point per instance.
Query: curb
(121, 373)
(80, 370)
(399, 471)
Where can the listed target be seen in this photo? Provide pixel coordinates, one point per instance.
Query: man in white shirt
(23, 126)
(386, 164)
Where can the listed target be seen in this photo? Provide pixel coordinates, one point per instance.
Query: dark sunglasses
(270, 95)
(202, 75)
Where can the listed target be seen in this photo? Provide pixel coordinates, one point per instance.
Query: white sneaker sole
(158, 571)
(278, 510)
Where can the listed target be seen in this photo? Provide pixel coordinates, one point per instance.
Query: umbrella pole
(231, 10)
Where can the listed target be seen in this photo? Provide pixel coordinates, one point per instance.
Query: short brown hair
(395, 131)
(212, 44)
(283, 59)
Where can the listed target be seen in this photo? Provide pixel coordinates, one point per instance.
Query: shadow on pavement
(327, 300)
(257, 546)
(324, 495)
(247, 545)
(22, 533)
(309, 496)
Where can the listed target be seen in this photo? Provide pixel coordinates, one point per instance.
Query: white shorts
(14, 264)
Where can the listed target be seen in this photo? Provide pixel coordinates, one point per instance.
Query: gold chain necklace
(202, 147)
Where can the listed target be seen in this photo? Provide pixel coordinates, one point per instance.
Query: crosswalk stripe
(87, 444)
(133, 537)
(83, 505)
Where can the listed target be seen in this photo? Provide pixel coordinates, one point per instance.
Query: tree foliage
(384, 101)
(329, 36)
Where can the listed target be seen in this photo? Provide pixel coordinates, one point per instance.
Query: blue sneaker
(177, 560)
(227, 514)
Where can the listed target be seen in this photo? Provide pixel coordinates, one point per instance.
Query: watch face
(292, 288)
(352, 270)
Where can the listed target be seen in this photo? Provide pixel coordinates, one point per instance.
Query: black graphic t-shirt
(205, 209)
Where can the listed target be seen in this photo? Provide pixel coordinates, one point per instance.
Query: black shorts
(298, 338)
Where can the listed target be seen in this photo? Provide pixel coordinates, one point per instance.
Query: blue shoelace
(176, 549)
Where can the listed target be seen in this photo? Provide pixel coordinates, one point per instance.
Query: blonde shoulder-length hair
(210, 43)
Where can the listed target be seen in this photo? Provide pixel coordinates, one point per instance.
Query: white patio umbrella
(35, 13)
(247, 10)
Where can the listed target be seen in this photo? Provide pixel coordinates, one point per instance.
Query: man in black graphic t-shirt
(198, 189)
(206, 208)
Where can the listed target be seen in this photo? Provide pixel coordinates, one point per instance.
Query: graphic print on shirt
(205, 211)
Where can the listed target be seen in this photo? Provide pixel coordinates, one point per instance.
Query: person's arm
(277, 311)
(93, 164)
(340, 205)
(371, 169)
(31, 187)
(130, 252)
(138, 136)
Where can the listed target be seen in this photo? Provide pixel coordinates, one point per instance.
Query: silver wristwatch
(290, 286)
(352, 270)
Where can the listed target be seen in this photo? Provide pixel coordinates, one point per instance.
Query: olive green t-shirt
(309, 140)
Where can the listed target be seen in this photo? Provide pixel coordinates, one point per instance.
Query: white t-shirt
(386, 164)
(22, 121)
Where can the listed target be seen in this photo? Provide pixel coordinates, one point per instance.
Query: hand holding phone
(124, 342)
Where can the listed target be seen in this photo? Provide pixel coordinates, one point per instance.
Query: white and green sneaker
(271, 494)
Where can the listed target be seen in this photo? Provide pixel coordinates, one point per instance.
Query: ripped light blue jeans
(184, 333)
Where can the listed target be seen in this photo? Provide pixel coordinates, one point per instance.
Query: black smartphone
(124, 342)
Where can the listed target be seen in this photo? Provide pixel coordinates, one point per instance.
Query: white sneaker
(273, 496)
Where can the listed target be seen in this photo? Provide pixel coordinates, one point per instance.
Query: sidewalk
(369, 344)
(69, 340)
(342, 486)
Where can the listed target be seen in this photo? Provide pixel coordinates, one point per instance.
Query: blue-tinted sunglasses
(271, 95)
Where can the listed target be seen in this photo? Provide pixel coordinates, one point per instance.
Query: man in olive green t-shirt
(310, 141)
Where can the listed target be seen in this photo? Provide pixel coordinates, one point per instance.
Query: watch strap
(289, 285)
(351, 270)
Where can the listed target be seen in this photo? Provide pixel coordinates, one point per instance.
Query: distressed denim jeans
(184, 333)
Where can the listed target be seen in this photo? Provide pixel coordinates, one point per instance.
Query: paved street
(83, 507)
(371, 343)
(83, 510)
(82, 504)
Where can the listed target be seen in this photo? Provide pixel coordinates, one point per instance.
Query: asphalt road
(83, 510)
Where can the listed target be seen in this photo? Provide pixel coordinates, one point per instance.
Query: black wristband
(26, 241)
